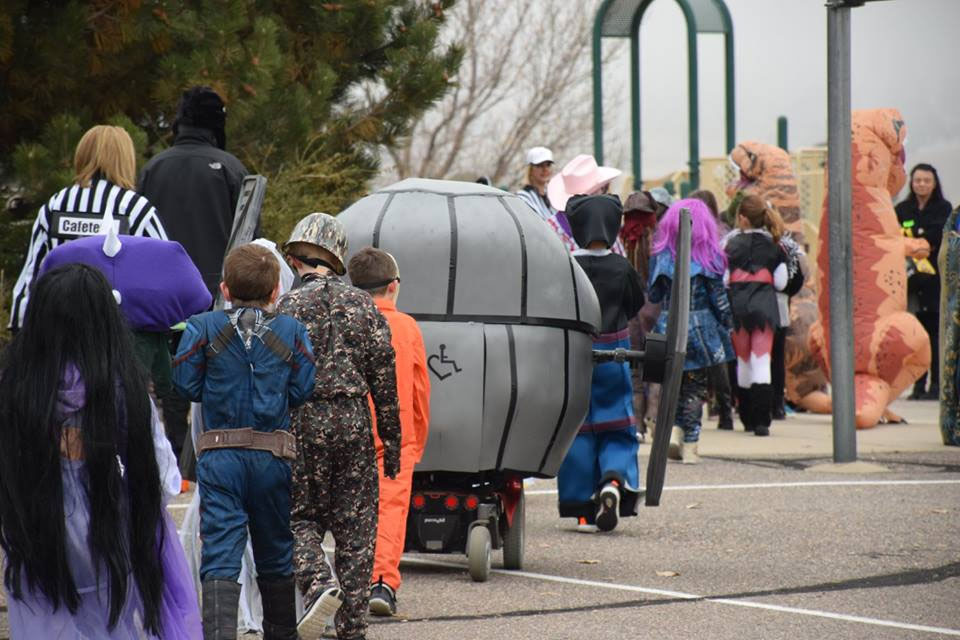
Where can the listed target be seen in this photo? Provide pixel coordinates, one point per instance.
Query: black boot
(279, 608)
(761, 403)
(745, 408)
(220, 600)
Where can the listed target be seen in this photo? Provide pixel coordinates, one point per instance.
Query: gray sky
(904, 55)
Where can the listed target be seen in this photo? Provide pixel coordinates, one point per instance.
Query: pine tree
(313, 90)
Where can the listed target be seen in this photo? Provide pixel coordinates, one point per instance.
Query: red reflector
(419, 501)
(471, 502)
(451, 502)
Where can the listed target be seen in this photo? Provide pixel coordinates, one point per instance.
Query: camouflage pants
(693, 393)
(335, 488)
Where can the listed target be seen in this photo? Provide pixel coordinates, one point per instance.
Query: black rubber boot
(220, 600)
(279, 608)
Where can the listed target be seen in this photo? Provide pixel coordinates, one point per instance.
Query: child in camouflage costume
(336, 475)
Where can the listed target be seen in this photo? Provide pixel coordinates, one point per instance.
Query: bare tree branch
(525, 81)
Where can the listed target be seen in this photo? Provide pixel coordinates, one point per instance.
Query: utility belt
(280, 443)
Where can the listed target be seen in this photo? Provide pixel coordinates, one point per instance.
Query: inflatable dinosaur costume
(891, 348)
(765, 170)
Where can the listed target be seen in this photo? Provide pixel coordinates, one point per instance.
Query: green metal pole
(730, 77)
(731, 94)
(598, 82)
(782, 133)
(635, 105)
(694, 99)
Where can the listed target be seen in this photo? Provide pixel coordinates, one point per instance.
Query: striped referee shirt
(74, 212)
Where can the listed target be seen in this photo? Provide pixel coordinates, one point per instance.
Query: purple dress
(33, 617)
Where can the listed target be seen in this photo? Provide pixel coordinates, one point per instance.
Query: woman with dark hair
(923, 215)
(89, 551)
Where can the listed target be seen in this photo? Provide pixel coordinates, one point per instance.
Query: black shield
(676, 351)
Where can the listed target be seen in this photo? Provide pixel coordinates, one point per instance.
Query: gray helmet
(324, 231)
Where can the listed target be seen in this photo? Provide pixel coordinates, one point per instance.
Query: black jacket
(195, 186)
(928, 224)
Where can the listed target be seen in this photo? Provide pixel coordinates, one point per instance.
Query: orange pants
(392, 522)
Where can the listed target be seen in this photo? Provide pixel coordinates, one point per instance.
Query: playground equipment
(621, 19)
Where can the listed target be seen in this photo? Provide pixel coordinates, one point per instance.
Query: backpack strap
(275, 344)
(221, 340)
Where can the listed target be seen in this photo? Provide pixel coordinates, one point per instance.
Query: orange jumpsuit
(413, 393)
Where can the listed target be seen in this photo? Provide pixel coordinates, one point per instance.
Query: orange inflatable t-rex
(891, 348)
(766, 171)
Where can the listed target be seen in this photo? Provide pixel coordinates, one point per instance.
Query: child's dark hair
(251, 272)
(73, 324)
(372, 270)
(761, 216)
(706, 196)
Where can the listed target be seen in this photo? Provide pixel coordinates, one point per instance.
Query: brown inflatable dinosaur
(891, 348)
(765, 170)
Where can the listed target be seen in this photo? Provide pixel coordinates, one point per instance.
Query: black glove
(391, 464)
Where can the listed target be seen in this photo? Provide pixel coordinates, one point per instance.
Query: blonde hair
(108, 150)
(761, 215)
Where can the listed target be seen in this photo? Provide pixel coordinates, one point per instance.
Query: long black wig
(73, 319)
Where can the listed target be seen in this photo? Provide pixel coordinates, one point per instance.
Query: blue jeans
(241, 488)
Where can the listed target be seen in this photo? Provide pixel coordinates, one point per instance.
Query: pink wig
(704, 239)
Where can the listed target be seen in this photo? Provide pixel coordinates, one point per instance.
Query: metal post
(730, 89)
(635, 102)
(841, 231)
(782, 132)
(694, 96)
(598, 82)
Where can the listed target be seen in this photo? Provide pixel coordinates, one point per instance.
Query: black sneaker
(315, 613)
(608, 515)
(383, 599)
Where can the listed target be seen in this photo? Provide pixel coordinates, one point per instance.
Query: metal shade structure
(621, 19)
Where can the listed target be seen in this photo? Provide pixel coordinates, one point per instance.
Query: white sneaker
(608, 515)
(676, 440)
(314, 621)
(585, 527)
(688, 453)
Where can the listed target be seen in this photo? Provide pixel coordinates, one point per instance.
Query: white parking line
(690, 596)
(778, 485)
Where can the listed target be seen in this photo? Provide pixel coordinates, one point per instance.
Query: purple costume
(33, 617)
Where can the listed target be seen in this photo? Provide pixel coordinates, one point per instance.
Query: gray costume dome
(506, 315)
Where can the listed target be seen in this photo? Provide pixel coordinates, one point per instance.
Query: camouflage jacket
(351, 344)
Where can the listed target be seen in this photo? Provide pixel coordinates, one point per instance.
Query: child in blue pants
(599, 479)
(247, 367)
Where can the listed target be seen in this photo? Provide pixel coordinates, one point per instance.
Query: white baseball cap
(538, 155)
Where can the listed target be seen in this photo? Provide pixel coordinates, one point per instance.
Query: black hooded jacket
(195, 186)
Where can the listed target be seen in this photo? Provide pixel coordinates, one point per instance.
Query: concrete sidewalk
(811, 435)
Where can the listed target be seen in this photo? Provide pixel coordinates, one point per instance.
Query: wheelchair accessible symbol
(440, 364)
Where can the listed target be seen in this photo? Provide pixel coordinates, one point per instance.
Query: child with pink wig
(708, 338)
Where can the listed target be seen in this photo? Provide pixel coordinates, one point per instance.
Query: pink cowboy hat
(580, 176)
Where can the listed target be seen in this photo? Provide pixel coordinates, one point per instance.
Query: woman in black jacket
(923, 215)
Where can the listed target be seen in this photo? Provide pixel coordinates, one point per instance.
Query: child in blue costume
(248, 367)
(599, 479)
(711, 321)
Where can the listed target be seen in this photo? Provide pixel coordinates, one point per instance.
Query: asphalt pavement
(750, 543)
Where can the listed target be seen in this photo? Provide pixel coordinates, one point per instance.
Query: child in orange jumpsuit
(376, 272)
